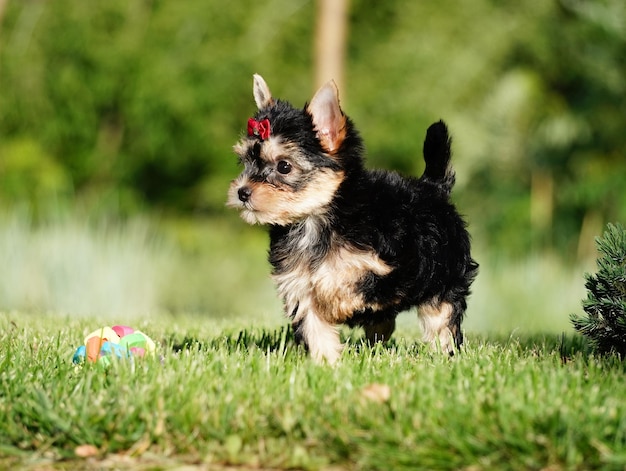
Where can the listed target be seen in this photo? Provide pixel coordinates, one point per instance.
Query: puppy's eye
(283, 167)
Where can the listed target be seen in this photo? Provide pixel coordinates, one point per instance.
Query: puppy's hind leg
(440, 326)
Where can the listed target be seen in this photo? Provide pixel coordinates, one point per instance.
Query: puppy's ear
(262, 94)
(329, 120)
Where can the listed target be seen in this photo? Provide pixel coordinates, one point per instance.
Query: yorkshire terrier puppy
(349, 245)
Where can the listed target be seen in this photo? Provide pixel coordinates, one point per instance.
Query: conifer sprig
(605, 306)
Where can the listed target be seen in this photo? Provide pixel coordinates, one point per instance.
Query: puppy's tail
(437, 157)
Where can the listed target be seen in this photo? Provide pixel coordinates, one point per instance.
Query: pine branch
(605, 306)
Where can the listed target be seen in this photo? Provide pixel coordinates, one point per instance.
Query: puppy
(349, 245)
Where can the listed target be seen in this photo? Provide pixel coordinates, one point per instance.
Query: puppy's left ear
(261, 92)
(329, 120)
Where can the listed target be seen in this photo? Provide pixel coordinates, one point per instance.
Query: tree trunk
(330, 41)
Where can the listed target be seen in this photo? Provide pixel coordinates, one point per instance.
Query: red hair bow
(259, 128)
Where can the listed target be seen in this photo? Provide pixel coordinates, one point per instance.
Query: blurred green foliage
(131, 105)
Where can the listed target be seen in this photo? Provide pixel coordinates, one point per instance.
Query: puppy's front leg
(320, 337)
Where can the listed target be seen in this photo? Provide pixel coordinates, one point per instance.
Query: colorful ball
(119, 341)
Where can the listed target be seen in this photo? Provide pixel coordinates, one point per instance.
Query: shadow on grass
(282, 340)
(267, 340)
(569, 347)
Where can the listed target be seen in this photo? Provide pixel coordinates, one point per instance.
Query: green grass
(231, 389)
(221, 396)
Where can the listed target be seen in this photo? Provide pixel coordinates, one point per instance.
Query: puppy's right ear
(262, 94)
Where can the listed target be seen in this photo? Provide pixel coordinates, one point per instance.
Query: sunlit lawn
(228, 386)
(250, 397)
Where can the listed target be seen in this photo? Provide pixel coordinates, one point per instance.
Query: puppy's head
(291, 158)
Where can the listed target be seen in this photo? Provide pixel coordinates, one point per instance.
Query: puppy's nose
(244, 194)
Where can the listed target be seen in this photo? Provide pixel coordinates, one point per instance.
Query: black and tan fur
(350, 245)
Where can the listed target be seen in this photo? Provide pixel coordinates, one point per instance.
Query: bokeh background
(117, 120)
